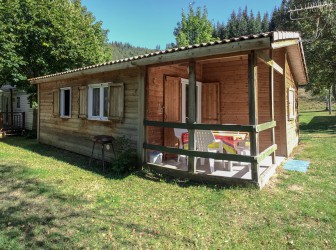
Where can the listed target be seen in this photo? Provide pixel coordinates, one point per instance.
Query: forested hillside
(121, 50)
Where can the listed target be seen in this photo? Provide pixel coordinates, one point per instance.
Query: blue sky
(148, 23)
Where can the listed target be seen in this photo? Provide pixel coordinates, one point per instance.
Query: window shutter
(56, 102)
(82, 102)
(116, 101)
(210, 103)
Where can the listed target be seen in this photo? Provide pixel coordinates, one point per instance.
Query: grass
(49, 198)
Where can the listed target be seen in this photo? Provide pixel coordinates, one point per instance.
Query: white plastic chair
(178, 134)
(203, 139)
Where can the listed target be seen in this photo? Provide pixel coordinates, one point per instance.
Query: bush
(126, 157)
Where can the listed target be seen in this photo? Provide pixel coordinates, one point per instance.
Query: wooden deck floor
(239, 170)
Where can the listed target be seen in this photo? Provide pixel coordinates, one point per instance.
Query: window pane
(66, 102)
(18, 102)
(105, 101)
(95, 101)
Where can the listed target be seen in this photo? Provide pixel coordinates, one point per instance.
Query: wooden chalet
(240, 86)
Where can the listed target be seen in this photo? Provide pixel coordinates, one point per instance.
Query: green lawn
(49, 198)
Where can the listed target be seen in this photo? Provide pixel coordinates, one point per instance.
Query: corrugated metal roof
(275, 35)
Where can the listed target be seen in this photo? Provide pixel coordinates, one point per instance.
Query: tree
(242, 23)
(219, 31)
(242, 17)
(265, 23)
(44, 37)
(194, 28)
(232, 25)
(319, 51)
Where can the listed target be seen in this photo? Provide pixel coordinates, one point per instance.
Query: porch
(240, 172)
(232, 93)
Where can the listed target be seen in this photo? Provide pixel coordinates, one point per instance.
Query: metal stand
(103, 140)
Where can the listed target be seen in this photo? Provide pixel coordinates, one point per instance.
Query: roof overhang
(293, 44)
(241, 44)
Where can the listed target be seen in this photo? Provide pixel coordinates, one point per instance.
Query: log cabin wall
(292, 124)
(279, 103)
(74, 134)
(232, 76)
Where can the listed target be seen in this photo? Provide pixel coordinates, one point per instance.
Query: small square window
(65, 107)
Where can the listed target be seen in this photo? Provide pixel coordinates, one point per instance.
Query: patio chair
(243, 148)
(205, 141)
(178, 134)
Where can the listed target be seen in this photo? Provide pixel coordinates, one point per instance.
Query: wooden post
(329, 100)
(192, 113)
(271, 93)
(141, 111)
(253, 111)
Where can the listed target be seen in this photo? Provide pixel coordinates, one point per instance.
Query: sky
(148, 23)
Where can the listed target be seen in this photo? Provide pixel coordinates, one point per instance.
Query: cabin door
(172, 110)
(210, 103)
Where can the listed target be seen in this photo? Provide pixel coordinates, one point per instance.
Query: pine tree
(265, 23)
(232, 25)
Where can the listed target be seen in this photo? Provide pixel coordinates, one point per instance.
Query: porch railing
(252, 129)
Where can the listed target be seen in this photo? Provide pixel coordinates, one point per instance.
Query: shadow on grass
(82, 162)
(65, 156)
(325, 124)
(34, 215)
(31, 212)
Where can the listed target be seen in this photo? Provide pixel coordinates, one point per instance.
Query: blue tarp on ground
(297, 165)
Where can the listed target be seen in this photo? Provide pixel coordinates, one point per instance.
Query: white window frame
(101, 87)
(184, 83)
(291, 109)
(62, 106)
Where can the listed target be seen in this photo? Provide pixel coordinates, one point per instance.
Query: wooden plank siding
(75, 133)
(292, 124)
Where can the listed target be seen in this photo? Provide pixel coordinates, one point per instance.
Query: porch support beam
(285, 43)
(271, 94)
(253, 110)
(192, 113)
(142, 80)
(270, 62)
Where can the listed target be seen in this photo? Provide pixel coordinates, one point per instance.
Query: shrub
(126, 157)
